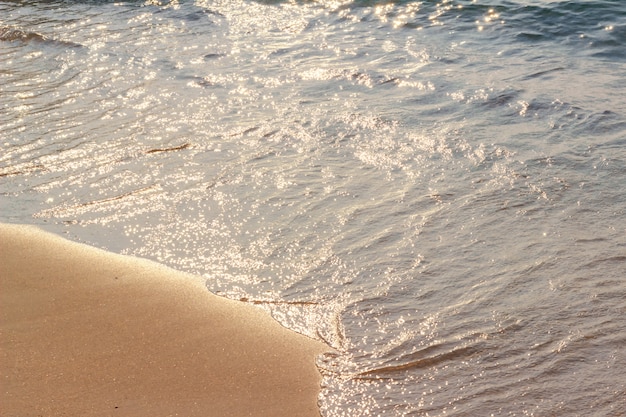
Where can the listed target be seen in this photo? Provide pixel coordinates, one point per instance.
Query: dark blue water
(435, 189)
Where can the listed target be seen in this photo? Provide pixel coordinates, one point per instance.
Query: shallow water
(435, 189)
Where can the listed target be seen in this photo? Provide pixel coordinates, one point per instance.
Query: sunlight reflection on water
(437, 203)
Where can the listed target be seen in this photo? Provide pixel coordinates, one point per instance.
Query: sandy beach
(90, 333)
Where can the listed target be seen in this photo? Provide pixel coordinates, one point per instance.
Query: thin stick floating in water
(175, 148)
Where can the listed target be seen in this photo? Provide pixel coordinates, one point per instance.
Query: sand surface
(87, 333)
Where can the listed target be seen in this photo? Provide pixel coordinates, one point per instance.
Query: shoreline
(87, 332)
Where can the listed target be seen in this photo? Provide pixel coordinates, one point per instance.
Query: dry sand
(87, 333)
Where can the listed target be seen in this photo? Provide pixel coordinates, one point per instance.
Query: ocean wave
(10, 34)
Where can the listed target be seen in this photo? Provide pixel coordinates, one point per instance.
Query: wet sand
(86, 332)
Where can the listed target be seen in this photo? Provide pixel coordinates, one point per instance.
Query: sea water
(436, 189)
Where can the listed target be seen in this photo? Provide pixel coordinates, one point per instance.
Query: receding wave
(433, 188)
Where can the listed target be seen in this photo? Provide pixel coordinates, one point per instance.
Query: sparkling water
(435, 189)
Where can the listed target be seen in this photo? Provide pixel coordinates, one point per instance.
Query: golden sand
(84, 332)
